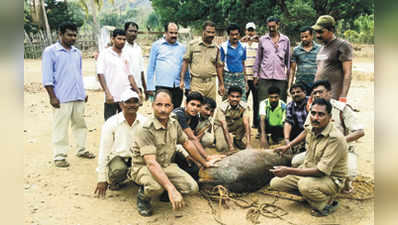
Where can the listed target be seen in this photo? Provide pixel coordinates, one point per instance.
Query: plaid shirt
(296, 114)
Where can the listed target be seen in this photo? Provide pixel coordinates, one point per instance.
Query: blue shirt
(62, 69)
(233, 57)
(164, 65)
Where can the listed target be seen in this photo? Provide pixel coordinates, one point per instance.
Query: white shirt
(137, 61)
(116, 69)
(116, 138)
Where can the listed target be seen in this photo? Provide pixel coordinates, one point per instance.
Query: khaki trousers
(207, 87)
(207, 140)
(73, 112)
(317, 191)
(178, 177)
(117, 170)
(221, 143)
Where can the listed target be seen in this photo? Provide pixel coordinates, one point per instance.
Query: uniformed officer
(233, 116)
(153, 151)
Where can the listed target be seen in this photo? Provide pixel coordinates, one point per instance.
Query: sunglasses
(319, 31)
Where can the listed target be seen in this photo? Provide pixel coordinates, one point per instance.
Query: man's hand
(54, 102)
(280, 171)
(282, 149)
(182, 85)
(86, 99)
(190, 160)
(109, 98)
(264, 142)
(255, 81)
(221, 90)
(176, 199)
(101, 189)
(211, 163)
(212, 157)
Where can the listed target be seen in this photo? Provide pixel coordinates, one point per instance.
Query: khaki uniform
(351, 123)
(328, 153)
(202, 60)
(234, 119)
(154, 139)
(205, 126)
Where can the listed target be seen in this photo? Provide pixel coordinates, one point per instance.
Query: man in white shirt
(114, 73)
(116, 136)
(134, 52)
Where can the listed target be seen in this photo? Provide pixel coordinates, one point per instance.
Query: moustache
(315, 122)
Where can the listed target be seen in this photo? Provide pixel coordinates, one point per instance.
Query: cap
(127, 94)
(324, 22)
(250, 25)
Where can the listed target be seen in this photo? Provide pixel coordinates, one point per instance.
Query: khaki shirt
(202, 59)
(328, 152)
(203, 126)
(351, 120)
(154, 139)
(226, 113)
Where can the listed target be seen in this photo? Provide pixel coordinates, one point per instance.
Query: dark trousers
(192, 169)
(252, 89)
(276, 132)
(111, 109)
(176, 95)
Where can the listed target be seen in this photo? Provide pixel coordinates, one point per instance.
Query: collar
(325, 132)
(230, 46)
(164, 42)
(302, 104)
(134, 45)
(121, 119)
(278, 106)
(59, 47)
(314, 46)
(201, 42)
(281, 36)
(330, 42)
(157, 125)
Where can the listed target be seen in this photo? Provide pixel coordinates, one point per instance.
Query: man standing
(324, 170)
(134, 51)
(272, 116)
(250, 42)
(115, 73)
(304, 59)
(117, 134)
(164, 65)
(63, 80)
(233, 116)
(233, 55)
(272, 66)
(334, 58)
(202, 56)
(153, 149)
(296, 114)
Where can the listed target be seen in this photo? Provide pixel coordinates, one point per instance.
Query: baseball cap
(127, 94)
(324, 21)
(250, 25)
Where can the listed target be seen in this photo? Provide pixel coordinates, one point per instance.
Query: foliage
(293, 13)
(363, 30)
(153, 22)
(118, 19)
(57, 12)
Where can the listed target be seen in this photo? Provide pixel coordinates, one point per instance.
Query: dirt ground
(57, 196)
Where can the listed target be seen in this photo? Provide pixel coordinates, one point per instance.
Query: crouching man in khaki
(153, 150)
(323, 173)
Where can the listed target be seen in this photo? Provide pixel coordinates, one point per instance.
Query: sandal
(86, 155)
(61, 163)
(326, 211)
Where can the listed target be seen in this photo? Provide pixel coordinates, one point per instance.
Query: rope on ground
(221, 195)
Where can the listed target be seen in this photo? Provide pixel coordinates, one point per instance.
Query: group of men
(163, 153)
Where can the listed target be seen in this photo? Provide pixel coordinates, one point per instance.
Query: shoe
(115, 187)
(239, 144)
(86, 155)
(143, 204)
(325, 211)
(61, 163)
(164, 197)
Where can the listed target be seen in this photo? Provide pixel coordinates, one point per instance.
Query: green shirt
(274, 117)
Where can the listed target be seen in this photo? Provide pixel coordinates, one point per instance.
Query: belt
(207, 79)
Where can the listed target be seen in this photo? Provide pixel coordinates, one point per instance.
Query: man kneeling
(324, 170)
(153, 152)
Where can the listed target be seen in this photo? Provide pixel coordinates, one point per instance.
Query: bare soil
(55, 196)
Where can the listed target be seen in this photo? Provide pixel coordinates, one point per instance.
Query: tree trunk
(96, 29)
(48, 30)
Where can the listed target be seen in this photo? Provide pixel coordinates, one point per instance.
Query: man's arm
(246, 123)
(220, 71)
(263, 138)
(298, 139)
(48, 77)
(54, 101)
(292, 75)
(287, 129)
(355, 135)
(282, 171)
(151, 68)
(195, 140)
(192, 150)
(287, 59)
(347, 70)
(108, 95)
(160, 176)
(184, 68)
(133, 84)
(257, 62)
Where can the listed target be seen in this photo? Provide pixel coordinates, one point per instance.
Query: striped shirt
(306, 62)
(251, 52)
